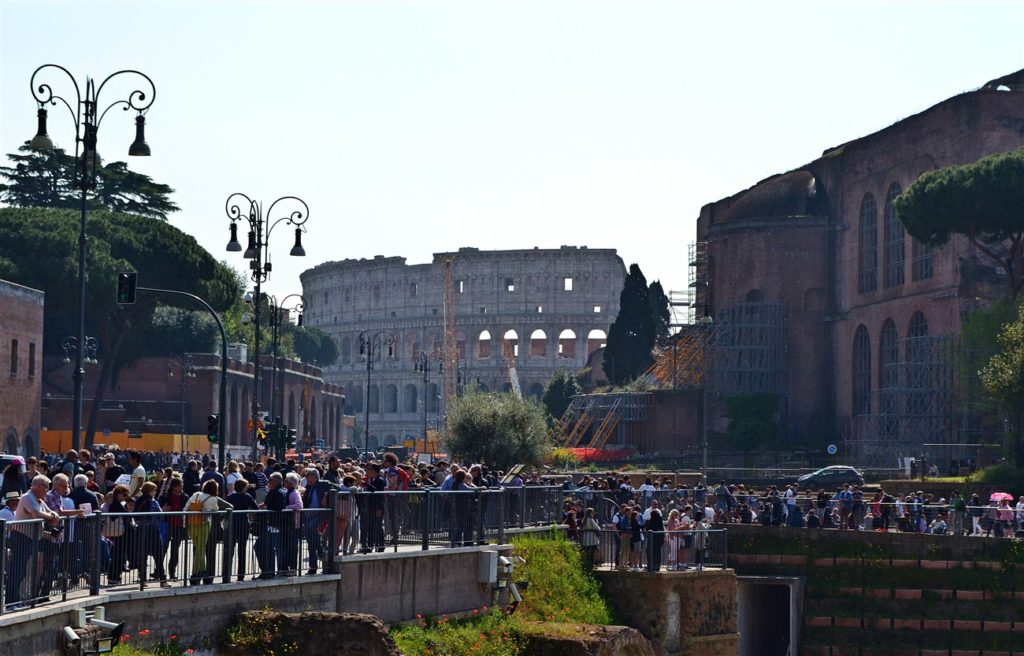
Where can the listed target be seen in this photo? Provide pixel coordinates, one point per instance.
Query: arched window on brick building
(861, 372)
(567, 343)
(889, 378)
(922, 266)
(894, 237)
(918, 354)
(346, 350)
(867, 258)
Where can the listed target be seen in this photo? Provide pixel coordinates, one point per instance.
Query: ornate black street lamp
(70, 345)
(87, 117)
(425, 363)
(370, 347)
(276, 315)
(188, 370)
(240, 207)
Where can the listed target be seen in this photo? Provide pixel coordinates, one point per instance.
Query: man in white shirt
(1019, 515)
(138, 474)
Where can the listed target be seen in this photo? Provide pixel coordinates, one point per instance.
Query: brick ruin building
(536, 310)
(21, 353)
(815, 293)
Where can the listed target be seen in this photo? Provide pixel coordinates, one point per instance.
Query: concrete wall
(682, 613)
(394, 587)
(397, 587)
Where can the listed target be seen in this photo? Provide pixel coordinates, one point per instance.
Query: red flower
(188, 651)
(174, 637)
(124, 638)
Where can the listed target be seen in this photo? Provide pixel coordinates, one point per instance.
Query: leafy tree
(499, 430)
(558, 393)
(1003, 377)
(632, 334)
(659, 309)
(38, 248)
(982, 201)
(49, 180)
(314, 346)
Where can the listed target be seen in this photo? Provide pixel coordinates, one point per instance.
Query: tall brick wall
(21, 356)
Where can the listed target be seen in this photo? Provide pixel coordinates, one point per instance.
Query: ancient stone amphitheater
(538, 310)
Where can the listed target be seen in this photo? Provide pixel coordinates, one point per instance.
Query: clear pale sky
(416, 127)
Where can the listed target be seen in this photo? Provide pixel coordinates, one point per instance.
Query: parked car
(831, 477)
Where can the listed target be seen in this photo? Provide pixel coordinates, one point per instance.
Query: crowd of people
(849, 507)
(152, 518)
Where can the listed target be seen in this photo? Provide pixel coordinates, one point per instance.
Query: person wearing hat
(10, 504)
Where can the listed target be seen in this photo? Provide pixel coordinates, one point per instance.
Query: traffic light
(266, 435)
(126, 287)
(213, 428)
(289, 439)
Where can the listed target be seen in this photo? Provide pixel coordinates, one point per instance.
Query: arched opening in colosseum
(483, 345)
(567, 344)
(373, 398)
(346, 349)
(755, 296)
(538, 343)
(506, 388)
(596, 339)
(460, 344)
(390, 398)
(537, 391)
(432, 397)
(483, 388)
(354, 398)
(510, 344)
(409, 400)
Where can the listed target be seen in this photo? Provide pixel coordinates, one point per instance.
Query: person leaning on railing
(201, 506)
(31, 506)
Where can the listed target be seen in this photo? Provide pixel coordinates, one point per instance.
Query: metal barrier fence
(672, 550)
(41, 562)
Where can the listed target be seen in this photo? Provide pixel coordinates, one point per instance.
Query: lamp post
(188, 370)
(240, 207)
(276, 309)
(70, 345)
(370, 347)
(87, 117)
(425, 363)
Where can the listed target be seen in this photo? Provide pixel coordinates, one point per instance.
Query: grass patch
(559, 591)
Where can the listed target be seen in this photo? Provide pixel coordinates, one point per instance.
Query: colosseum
(557, 303)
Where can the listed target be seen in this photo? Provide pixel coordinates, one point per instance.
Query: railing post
(3, 564)
(478, 515)
(332, 529)
(228, 551)
(428, 500)
(523, 492)
(37, 538)
(138, 545)
(96, 544)
(502, 499)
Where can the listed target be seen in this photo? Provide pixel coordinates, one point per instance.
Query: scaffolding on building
(594, 419)
(917, 405)
(746, 354)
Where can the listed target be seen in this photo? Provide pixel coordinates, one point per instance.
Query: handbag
(113, 527)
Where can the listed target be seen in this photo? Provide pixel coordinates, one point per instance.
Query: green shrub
(559, 589)
(492, 632)
(1004, 474)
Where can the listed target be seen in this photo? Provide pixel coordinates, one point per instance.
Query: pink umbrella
(1001, 496)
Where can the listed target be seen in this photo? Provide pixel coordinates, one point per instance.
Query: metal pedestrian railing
(43, 562)
(654, 551)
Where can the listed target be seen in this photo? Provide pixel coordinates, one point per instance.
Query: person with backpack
(174, 503)
(201, 507)
(397, 480)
